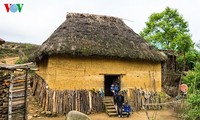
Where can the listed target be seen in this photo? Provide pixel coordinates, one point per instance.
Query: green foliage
(194, 100)
(191, 57)
(193, 111)
(1, 56)
(21, 61)
(192, 79)
(28, 46)
(164, 97)
(8, 52)
(168, 30)
(23, 50)
(29, 50)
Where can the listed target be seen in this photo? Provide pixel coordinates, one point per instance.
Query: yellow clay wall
(64, 72)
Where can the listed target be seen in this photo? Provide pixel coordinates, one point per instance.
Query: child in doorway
(112, 89)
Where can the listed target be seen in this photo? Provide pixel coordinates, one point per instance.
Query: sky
(38, 19)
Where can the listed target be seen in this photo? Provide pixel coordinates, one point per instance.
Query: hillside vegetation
(21, 50)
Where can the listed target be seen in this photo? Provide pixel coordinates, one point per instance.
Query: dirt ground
(165, 114)
(10, 60)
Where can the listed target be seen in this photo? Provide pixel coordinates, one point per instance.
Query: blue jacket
(112, 88)
(127, 108)
(116, 89)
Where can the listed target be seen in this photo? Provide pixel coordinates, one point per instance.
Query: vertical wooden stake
(25, 95)
(90, 101)
(76, 101)
(10, 96)
(179, 85)
(54, 101)
(47, 98)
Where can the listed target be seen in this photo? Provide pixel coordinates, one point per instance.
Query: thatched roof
(96, 35)
(2, 41)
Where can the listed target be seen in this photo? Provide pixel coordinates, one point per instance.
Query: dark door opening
(108, 80)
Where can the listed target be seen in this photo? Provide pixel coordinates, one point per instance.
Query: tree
(192, 56)
(192, 79)
(168, 31)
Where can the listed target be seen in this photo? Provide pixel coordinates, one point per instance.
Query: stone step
(110, 107)
(108, 98)
(108, 104)
(111, 110)
(107, 101)
(112, 114)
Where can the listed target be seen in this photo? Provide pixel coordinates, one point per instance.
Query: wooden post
(90, 101)
(154, 82)
(47, 98)
(54, 101)
(76, 100)
(25, 95)
(179, 85)
(10, 96)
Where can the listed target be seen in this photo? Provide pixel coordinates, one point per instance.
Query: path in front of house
(9, 60)
(165, 114)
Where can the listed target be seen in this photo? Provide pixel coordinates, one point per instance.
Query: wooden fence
(17, 103)
(140, 99)
(3, 98)
(14, 91)
(64, 101)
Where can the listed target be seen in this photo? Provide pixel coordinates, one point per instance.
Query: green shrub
(193, 111)
(192, 79)
(20, 61)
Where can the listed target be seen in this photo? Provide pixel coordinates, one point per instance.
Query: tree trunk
(184, 62)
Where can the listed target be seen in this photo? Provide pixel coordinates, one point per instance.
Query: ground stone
(48, 113)
(75, 115)
(36, 115)
(43, 113)
(54, 114)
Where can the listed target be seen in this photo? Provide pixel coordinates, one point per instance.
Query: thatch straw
(96, 35)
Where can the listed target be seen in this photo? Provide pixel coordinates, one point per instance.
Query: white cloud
(39, 19)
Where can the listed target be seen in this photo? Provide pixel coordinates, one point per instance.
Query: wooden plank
(18, 66)
(10, 96)
(54, 100)
(25, 96)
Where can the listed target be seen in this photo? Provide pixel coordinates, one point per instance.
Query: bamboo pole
(25, 95)
(10, 96)
(90, 100)
(54, 101)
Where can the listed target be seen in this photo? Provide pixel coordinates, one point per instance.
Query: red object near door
(184, 88)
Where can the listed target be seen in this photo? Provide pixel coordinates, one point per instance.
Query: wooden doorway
(108, 80)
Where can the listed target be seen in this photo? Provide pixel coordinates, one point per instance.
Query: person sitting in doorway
(116, 88)
(127, 108)
(112, 89)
